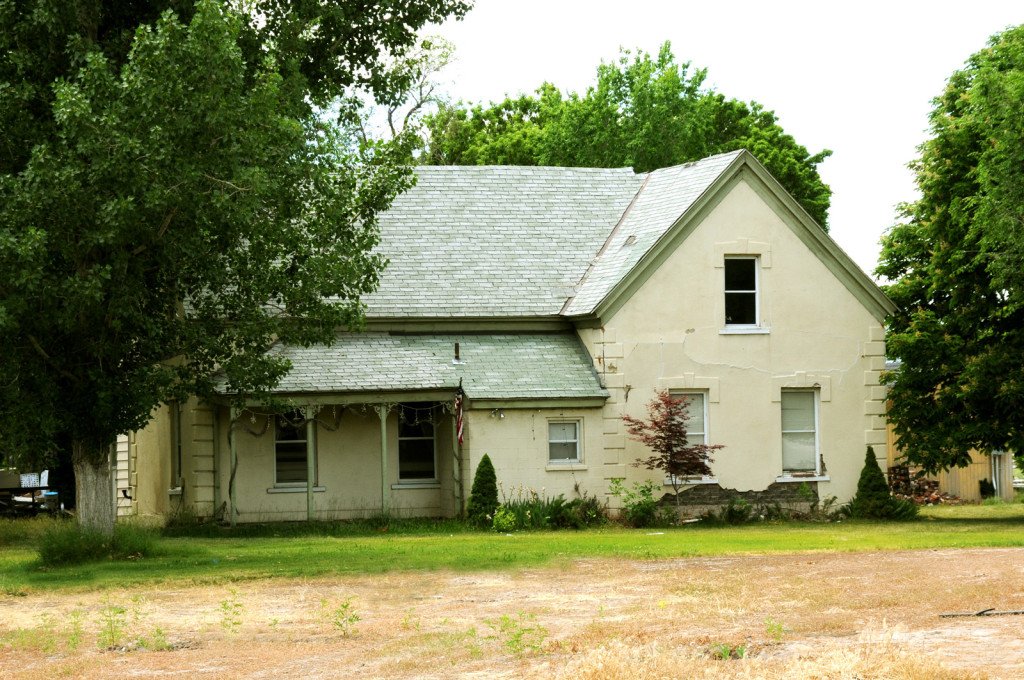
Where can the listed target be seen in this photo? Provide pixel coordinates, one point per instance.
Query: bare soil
(836, 615)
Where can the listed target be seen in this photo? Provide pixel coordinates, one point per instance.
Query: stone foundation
(701, 498)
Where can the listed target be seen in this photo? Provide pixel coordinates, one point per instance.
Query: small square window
(564, 441)
(741, 291)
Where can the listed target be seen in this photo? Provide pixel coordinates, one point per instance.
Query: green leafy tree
(873, 499)
(483, 496)
(955, 266)
(170, 204)
(644, 111)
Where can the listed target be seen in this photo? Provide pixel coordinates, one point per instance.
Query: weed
(231, 613)
(342, 617)
(408, 622)
(518, 634)
(113, 621)
(639, 507)
(774, 629)
(74, 632)
(723, 651)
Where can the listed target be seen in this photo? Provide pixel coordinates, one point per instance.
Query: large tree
(171, 203)
(955, 266)
(646, 112)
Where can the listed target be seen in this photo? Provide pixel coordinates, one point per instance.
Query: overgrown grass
(67, 543)
(219, 555)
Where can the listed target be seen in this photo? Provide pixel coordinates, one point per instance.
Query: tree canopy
(171, 203)
(644, 111)
(955, 263)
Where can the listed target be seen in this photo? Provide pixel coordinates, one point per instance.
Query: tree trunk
(95, 497)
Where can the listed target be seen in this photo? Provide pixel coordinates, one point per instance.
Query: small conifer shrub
(483, 497)
(873, 499)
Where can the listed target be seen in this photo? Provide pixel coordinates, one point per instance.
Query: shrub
(639, 508)
(873, 499)
(738, 511)
(483, 497)
(504, 519)
(72, 544)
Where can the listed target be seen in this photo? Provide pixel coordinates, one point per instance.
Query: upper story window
(741, 293)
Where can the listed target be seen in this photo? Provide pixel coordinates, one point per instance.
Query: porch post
(382, 412)
(310, 460)
(233, 438)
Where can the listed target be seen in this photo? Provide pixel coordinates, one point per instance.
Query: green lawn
(184, 560)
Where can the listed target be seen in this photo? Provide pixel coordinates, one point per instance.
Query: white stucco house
(559, 299)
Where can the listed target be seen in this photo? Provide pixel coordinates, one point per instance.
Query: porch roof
(519, 366)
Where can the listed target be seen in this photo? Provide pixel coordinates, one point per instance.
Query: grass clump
(68, 543)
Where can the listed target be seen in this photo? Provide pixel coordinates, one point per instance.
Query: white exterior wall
(518, 447)
(815, 334)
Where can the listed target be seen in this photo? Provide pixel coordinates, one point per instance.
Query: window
(564, 441)
(696, 426)
(290, 450)
(741, 291)
(800, 431)
(696, 408)
(416, 462)
(174, 407)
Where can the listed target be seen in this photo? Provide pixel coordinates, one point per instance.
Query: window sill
(417, 485)
(744, 330)
(176, 491)
(564, 467)
(691, 481)
(294, 489)
(805, 478)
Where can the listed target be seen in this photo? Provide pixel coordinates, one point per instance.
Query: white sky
(856, 77)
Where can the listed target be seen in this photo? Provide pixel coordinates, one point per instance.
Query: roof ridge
(607, 242)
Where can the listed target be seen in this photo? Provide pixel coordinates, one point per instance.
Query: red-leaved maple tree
(664, 432)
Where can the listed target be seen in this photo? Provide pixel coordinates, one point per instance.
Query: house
(553, 301)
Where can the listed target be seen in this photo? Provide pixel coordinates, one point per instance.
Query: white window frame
(304, 428)
(756, 292)
(705, 395)
(816, 404)
(578, 424)
(433, 445)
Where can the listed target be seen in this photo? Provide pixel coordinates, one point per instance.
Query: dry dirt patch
(862, 615)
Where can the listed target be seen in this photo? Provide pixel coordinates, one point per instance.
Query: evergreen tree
(483, 498)
(873, 499)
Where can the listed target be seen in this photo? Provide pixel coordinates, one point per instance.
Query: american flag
(458, 416)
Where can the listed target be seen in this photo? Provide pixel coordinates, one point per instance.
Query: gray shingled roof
(668, 194)
(495, 241)
(496, 366)
(491, 241)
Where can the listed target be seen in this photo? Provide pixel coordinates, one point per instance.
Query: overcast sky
(857, 78)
